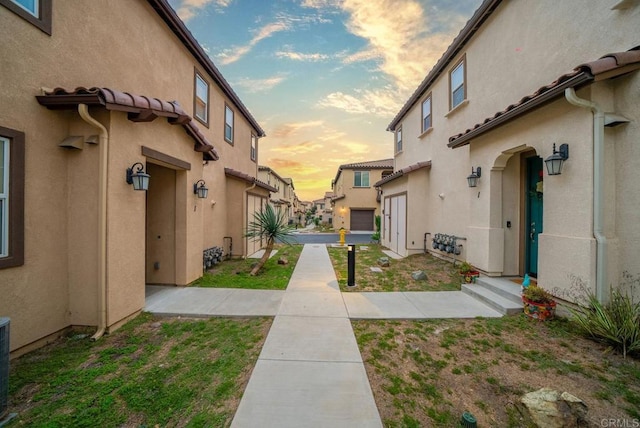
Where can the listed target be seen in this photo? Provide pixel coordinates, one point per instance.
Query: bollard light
(351, 265)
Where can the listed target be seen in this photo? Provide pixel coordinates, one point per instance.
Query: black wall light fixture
(200, 189)
(472, 179)
(139, 178)
(556, 160)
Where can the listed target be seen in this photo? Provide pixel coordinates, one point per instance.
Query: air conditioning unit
(4, 365)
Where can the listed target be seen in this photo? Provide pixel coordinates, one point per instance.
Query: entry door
(385, 222)
(533, 225)
(398, 224)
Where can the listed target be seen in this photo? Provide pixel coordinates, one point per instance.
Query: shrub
(616, 323)
(537, 294)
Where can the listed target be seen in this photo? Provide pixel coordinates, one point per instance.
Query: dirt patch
(427, 373)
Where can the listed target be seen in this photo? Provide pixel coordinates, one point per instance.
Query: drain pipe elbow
(602, 292)
(83, 110)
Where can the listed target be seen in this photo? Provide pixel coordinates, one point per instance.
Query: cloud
(297, 56)
(297, 148)
(234, 54)
(253, 86)
(189, 8)
(381, 102)
(289, 129)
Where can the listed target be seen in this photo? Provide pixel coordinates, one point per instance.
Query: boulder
(549, 408)
(383, 261)
(419, 275)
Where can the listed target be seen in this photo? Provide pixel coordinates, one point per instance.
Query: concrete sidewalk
(310, 372)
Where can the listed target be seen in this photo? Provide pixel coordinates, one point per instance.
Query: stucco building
(91, 90)
(356, 201)
(505, 94)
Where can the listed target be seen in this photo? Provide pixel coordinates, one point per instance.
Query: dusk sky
(324, 78)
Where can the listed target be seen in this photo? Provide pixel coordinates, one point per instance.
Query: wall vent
(4, 365)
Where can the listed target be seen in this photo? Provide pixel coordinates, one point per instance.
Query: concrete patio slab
(450, 304)
(392, 254)
(311, 339)
(294, 394)
(391, 305)
(250, 303)
(313, 304)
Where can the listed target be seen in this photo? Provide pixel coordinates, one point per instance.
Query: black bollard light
(351, 265)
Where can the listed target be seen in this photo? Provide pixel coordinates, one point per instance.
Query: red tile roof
(249, 179)
(611, 65)
(139, 108)
(377, 164)
(403, 171)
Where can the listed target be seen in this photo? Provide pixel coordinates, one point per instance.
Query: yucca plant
(271, 226)
(616, 323)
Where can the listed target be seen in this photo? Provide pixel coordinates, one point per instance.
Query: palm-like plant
(271, 226)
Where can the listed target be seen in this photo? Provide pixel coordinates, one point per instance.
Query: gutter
(602, 289)
(83, 110)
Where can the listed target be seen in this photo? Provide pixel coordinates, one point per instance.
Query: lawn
(151, 372)
(234, 273)
(441, 275)
(427, 373)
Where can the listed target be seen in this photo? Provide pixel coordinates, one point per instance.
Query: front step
(501, 294)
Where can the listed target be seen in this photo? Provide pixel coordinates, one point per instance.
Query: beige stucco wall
(507, 59)
(96, 44)
(354, 197)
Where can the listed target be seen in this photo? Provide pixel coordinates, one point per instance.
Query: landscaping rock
(375, 269)
(549, 408)
(383, 261)
(419, 275)
(283, 261)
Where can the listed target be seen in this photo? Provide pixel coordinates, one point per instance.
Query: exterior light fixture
(200, 190)
(557, 158)
(472, 179)
(139, 178)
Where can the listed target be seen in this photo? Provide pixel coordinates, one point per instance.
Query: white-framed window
(201, 99)
(228, 124)
(426, 113)
(399, 140)
(361, 179)
(457, 84)
(254, 147)
(4, 196)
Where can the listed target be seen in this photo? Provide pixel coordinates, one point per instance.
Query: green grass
(235, 273)
(441, 275)
(151, 372)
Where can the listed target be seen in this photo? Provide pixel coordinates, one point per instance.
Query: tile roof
(249, 179)
(139, 108)
(377, 164)
(403, 171)
(175, 24)
(479, 17)
(271, 171)
(608, 66)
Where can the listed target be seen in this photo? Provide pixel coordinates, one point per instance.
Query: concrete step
(502, 287)
(496, 301)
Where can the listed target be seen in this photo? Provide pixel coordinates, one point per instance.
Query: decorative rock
(419, 275)
(283, 261)
(549, 408)
(375, 269)
(383, 261)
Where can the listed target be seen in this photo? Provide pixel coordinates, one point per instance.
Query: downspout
(602, 292)
(83, 110)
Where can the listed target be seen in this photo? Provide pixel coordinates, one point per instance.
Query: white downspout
(602, 292)
(83, 110)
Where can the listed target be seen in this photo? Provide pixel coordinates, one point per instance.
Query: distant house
(324, 211)
(475, 142)
(284, 198)
(95, 98)
(356, 203)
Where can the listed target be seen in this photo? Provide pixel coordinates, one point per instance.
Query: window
(457, 85)
(399, 140)
(228, 124)
(361, 179)
(426, 113)
(254, 147)
(11, 198)
(36, 12)
(201, 100)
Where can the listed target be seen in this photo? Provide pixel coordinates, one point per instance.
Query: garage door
(362, 220)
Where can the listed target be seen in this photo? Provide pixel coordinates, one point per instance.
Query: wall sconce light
(555, 161)
(139, 179)
(200, 190)
(472, 179)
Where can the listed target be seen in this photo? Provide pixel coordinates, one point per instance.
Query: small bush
(617, 323)
(537, 294)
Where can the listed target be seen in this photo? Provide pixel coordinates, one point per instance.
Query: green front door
(533, 224)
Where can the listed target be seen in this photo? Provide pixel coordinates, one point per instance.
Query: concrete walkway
(310, 372)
